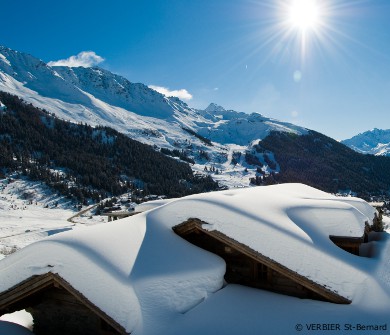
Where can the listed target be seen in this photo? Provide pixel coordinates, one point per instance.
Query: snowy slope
(35, 75)
(99, 97)
(240, 128)
(117, 91)
(151, 281)
(374, 142)
(30, 211)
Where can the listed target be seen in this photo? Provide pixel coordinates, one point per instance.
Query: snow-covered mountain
(375, 142)
(99, 97)
(117, 91)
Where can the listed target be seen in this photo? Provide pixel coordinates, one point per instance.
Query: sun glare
(304, 22)
(300, 29)
(304, 14)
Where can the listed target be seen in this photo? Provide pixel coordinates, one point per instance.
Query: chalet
(247, 267)
(119, 278)
(57, 308)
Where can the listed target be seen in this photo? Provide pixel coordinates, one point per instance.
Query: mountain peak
(98, 96)
(375, 142)
(213, 107)
(116, 90)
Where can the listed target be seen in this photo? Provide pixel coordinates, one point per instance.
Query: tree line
(324, 163)
(83, 161)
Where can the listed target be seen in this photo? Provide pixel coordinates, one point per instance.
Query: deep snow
(30, 211)
(153, 282)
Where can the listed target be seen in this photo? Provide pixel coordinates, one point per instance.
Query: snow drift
(151, 281)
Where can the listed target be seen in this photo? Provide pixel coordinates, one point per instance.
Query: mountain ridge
(83, 161)
(375, 142)
(100, 98)
(221, 143)
(109, 89)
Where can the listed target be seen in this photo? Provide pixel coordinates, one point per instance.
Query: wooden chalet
(57, 308)
(248, 267)
(243, 236)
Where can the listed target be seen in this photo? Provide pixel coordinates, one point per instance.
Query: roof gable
(194, 225)
(18, 296)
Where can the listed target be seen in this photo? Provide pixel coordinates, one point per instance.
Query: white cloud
(181, 94)
(84, 59)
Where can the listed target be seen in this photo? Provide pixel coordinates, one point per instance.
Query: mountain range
(85, 162)
(98, 97)
(222, 143)
(375, 142)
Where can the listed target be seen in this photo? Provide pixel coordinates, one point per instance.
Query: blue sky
(241, 54)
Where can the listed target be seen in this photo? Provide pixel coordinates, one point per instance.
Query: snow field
(152, 281)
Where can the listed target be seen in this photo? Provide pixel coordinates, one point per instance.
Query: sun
(304, 14)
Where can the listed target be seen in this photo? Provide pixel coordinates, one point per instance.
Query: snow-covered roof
(148, 205)
(144, 276)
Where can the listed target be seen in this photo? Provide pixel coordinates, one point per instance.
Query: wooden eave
(193, 225)
(346, 239)
(38, 283)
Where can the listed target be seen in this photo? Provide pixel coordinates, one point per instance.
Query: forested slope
(83, 161)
